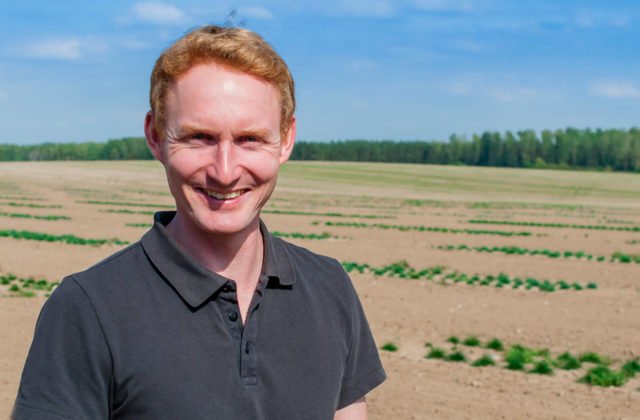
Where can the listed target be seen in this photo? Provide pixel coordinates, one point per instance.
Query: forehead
(212, 89)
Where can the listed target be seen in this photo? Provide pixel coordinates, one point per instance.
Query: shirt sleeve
(363, 370)
(68, 371)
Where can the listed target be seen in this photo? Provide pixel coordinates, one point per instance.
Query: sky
(75, 71)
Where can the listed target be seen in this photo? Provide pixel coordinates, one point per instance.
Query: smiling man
(208, 316)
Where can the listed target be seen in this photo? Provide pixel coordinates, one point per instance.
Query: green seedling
(471, 341)
(542, 367)
(495, 344)
(453, 340)
(631, 368)
(595, 358)
(603, 376)
(457, 356)
(485, 360)
(567, 361)
(436, 353)
(391, 347)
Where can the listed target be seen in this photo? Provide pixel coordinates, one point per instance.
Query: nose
(223, 169)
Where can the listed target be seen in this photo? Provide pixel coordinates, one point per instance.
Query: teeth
(219, 196)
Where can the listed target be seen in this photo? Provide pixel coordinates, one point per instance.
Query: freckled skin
(222, 135)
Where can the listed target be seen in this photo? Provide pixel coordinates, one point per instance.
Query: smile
(224, 196)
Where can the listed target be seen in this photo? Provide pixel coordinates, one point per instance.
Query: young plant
(453, 340)
(471, 341)
(542, 367)
(391, 347)
(457, 356)
(436, 353)
(567, 361)
(595, 358)
(603, 376)
(485, 360)
(495, 344)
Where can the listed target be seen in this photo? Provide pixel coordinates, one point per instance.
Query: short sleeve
(68, 370)
(363, 370)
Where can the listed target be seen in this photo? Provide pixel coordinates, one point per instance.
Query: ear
(287, 141)
(154, 141)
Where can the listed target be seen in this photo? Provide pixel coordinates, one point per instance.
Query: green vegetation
(539, 361)
(139, 225)
(68, 239)
(34, 206)
(595, 358)
(26, 287)
(421, 228)
(566, 361)
(542, 367)
(485, 360)
(389, 347)
(121, 203)
(569, 148)
(298, 235)
(34, 216)
(516, 250)
(556, 225)
(311, 213)
(471, 341)
(603, 376)
(127, 211)
(453, 340)
(456, 356)
(494, 344)
(403, 270)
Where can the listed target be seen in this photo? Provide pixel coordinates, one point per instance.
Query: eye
(248, 139)
(200, 136)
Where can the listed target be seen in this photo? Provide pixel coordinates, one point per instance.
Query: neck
(237, 256)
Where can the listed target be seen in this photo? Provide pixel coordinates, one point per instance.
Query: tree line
(570, 148)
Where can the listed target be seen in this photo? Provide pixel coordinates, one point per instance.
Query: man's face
(222, 148)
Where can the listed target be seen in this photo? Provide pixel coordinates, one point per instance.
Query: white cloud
(616, 90)
(503, 92)
(156, 13)
(57, 49)
(509, 94)
(255, 12)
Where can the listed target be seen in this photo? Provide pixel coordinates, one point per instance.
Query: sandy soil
(408, 313)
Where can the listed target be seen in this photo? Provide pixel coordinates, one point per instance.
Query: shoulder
(303, 258)
(125, 261)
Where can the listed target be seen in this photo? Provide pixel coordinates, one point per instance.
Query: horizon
(403, 71)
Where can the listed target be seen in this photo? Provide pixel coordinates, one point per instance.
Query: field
(522, 287)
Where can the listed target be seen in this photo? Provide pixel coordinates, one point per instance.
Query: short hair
(237, 48)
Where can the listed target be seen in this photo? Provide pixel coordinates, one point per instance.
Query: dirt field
(390, 202)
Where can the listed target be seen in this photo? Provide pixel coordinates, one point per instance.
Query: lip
(222, 197)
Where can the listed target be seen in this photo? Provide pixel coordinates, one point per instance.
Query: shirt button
(233, 316)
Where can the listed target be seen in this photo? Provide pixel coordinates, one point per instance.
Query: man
(208, 316)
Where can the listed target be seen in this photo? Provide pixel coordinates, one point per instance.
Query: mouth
(223, 196)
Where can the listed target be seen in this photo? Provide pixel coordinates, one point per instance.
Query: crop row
(298, 235)
(34, 206)
(421, 228)
(68, 239)
(127, 211)
(516, 250)
(26, 287)
(311, 213)
(531, 360)
(123, 203)
(491, 205)
(33, 216)
(555, 225)
(403, 270)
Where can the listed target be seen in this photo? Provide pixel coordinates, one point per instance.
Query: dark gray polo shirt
(149, 333)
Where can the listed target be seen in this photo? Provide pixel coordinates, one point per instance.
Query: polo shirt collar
(193, 281)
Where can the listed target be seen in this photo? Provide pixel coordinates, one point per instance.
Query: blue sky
(423, 69)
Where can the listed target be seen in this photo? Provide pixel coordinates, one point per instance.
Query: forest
(570, 148)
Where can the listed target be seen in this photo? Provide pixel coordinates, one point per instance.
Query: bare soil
(408, 313)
